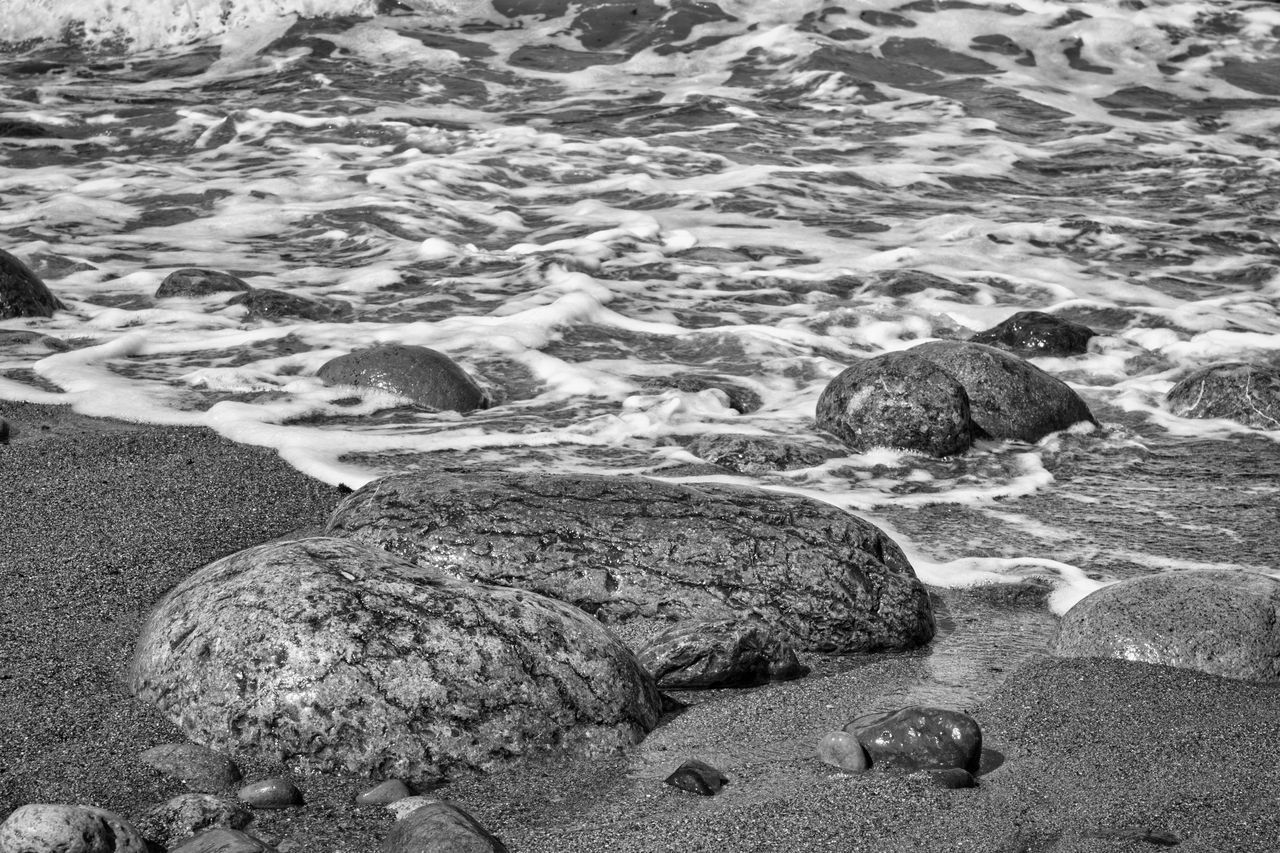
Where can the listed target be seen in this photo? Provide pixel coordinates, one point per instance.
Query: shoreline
(102, 517)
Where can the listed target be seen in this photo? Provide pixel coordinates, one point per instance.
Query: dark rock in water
(630, 548)
(33, 340)
(271, 793)
(721, 653)
(390, 791)
(299, 650)
(697, 777)
(898, 400)
(756, 454)
(427, 377)
(920, 738)
(55, 828)
(1220, 621)
(908, 282)
(186, 814)
(1240, 392)
(22, 293)
(1008, 396)
(266, 304)
(197, 767)
(1032, 333)
(741, 398)
(440, 828)
(196, 282)
(222, 840)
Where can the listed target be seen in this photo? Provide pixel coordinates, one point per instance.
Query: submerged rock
(331, 655)
(427, 377)
(1246, 393)
(1033, 333)
(631, 548)
(440, 828)
(1220, 621)
(186, 814)
(697, 777)
(197, 282)
(756, 454)
(920, 738)
(721, 653)
(22, 293)
(266, 304)
(197, 767)
(58, 828)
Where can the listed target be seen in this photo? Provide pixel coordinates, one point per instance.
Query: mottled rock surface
(631, 548)
(1246, 393)
(267, 304)
(197, 767)
(427, 377)
(920, 738)
(1220, 621)
(186, 814)
(756, 454)
(440, 828)
(198, 282)
(59, 828)
(336, 656)
(222, 840)
(720, 653)
(1035, 333)
(22, 293)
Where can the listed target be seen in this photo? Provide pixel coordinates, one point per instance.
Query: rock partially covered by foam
(1246, 393)
(263, 303)
(440, 828)
(756, 454)
(332, 655)
(633, 550)
(22, 293)
(1220, 621)
(1033, 333)
(720, 653)
(427, 377)
(198, 282)
(920, 738)
(59, 828)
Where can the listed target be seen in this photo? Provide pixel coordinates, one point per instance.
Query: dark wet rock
(697, 777)
(335, 656)
(440, 828)
(1246, 393)
(757, 454)
(197, 282)
(34, 341)
(22, 293)
(59, 828)
(720, 653)
(1033, 333)
(741, 398)
(271, 793)
(222, 840)
(919, 738)
(908, 282)
(630, 548)
(951, 779)
(900, 400)
(1009, 397)
(428, 377)
(1220, 621)
(186, 814)
(843, 750)
(197, 767)
(390, 791)
(266, 304)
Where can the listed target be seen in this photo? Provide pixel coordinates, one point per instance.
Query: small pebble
(841, 749)
(697, 777)
(389, 791)
(272, 793)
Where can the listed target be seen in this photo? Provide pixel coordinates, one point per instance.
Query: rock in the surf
(741, 398)
(427, 377)
(59, 828)
(267, 304)
(197, 767)
(334, 656)
(720, 653)
(1247, 393)
(636, 550)
(697, 777)
(1009, 397)
(919, 738)
(440, 828)
(1034, 333)
(198, 282)
(756, 454)
(898, 400)
(186, 814)
(274, 792)
(1220, 621)
(22, 293)
(221, 839)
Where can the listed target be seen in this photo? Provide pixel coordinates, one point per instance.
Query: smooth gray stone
(222, 840)
(271, 793)
(390, 791)
(22, 293)
(440, 828)
(1035, 333)
(427, 377)
(198, 282)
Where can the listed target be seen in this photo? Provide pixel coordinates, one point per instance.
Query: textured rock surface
(720, 653)
(920, 738)
(697, 777)
(756, 454)
(222, 840)
(440, 828)
(427, 377)
(58, 828)
(1219, 621)
(186, 814)
(271, 793)
(266, 304)
(333, 655)
(22, 293)
(898, 400)
(197, 767)
(630, 548)
(197, 282)
(1008, 396)
(1033, 333)
(1246, 393)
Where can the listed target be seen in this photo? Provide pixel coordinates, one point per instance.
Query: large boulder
(633, 549)
(1246, 393)
(1035, 333)
(331, 655)
(440, 828)
(59, 828)
(1220, 621)
(427, 377)
(22, 293)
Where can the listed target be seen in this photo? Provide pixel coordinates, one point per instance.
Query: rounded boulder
(1240, 392)
(59, 828)
(22, 293)
(197, 282)
(1035, 333)
(427, 377)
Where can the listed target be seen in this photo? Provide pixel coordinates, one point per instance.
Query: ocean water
(611, 213)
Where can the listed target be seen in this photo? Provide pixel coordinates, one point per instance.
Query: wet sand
(101, 518)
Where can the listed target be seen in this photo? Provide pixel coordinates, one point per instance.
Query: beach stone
(198, 767)
(1220, 621)
(186, 814)
(919, 738)
(1247, 393)
(267, 304)
(59, 828)
(697, 777)
(1034, 333)
(720, 653)
(22, 293)
(1009, 397)
(222, 840)
(427, 377)
(333, 656)
(440, 827)
(741, 398)
(271, 793)
(636, 550)
(390, 791)
(951, 779)
(842, 749)
(197, 282)
(899, 400)
(757, 454)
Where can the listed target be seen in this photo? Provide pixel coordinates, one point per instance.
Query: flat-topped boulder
(1248, 393)
(328, 654)
(633, 550)
(22, 293)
